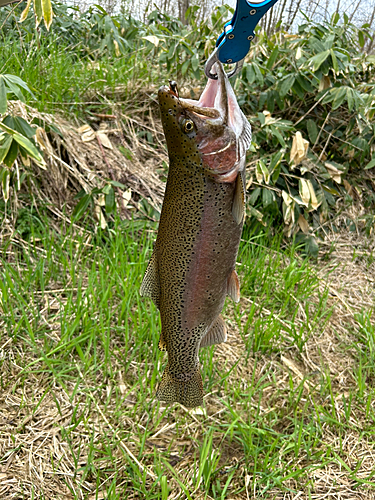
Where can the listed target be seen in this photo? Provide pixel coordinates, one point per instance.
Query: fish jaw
(220, 134)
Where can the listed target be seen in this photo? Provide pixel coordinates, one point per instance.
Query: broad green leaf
(81, 206)
(194, 63)
(12, 88)
(20, 125)
(339, 98)
(117, 184)
(335, 18)
(254, 196)
(18, 81)
(371, 164)
(319, 59)
(312, 246)
(361, 38)
(47, 12)
(267, 197)
(350, 98)
(28, 146)
(250, 73)
(38, 11)
(312, 130)
(5, 184)
(276, 173)
(3, 96)
(12, 155)
(279, 137)
(275, 160)
(272, 58)
(4, 148)
(110, 201)
(258, 74)
(286, 84)
(185, 66)
(334, 61)
(265, 172)
(305, 83)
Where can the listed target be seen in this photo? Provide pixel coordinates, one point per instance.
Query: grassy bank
(289, 399)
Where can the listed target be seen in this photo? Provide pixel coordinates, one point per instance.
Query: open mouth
(213, 102)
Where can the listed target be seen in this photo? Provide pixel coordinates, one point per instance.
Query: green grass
(61, 78)
(79, 364)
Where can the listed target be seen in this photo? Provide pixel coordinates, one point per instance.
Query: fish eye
(187, 125)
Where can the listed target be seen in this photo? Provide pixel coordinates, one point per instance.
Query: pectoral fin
(216, 334)
(238, 207)
(233, 289)
(150, 285)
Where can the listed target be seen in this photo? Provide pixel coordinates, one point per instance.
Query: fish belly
(197, 247)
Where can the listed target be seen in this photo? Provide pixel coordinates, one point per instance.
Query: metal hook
(213, 59)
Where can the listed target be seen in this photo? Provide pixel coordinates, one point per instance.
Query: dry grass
(36, 412)
(292, 418)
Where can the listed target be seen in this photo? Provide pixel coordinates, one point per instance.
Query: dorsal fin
(150, 285)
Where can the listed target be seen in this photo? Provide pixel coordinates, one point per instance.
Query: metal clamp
(234, 43)
(213, 59)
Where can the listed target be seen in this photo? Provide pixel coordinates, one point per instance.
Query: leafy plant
(311, 99)
(16, 135)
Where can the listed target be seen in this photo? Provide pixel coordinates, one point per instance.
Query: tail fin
(188, 392)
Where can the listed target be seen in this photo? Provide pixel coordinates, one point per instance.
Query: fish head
(212, 130)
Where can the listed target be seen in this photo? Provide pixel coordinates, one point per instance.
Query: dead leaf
(104, 140)
(259, 173)
(117, 48)
(313, 199)
(334, 172)
(84, 128)
(249, 182)
(304, 191)
(303, 224)
(299, 149)
(299, 53)
(325, 83)
(294, 368)
(268, 116)
(101, 200)
(126, 196)
(348, 187)
(99, 215)
(153, 39)
(287, 198)
(87, 133)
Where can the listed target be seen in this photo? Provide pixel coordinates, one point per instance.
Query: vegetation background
(289, 407)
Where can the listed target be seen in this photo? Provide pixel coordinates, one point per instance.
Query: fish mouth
(222, 133)
(213, 102)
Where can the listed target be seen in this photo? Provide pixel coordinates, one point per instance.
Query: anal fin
(150, 285)
(233, 289)
(216, 334)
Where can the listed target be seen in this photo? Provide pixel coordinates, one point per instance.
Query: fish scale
(191, 270)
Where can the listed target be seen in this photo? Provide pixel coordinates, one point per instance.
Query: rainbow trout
(191, 270)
